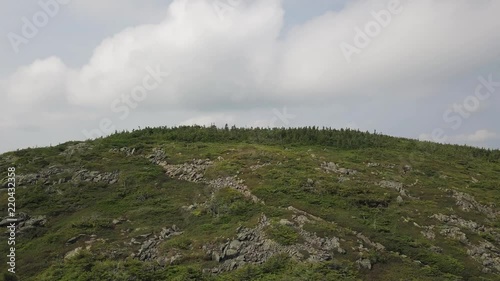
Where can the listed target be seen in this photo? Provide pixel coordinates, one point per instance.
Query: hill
(207, 203)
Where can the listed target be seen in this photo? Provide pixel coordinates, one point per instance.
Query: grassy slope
(150, 200)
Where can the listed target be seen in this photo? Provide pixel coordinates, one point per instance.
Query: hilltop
(207, 203)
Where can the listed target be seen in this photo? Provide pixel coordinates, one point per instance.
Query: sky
(80, 69)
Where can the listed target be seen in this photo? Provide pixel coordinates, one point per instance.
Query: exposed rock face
(20, 217)
(258, 166)
(32, 222)
(24, 222)
(454, 233)
(85, 175)
(76, 148)
(468, 203)
(71, 254)
(149, 248)
(157, 157)
(128, 151)
(428, 233)
(486, 254)
(456, 221)
(195, 171)
(364, 263)
(29, 179)
(301, 220)
(55, 175)
(392, 184)
(407, 169)
(192, 171)
(251, 246)
(47, 176)
(366, 240)
(236, 184)
(330, 167)
(74, 239)
(396, 186)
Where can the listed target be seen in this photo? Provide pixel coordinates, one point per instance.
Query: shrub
(285, 235)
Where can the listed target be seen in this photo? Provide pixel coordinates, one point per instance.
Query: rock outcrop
(85, 175)
(73, 253)
(252, 246)
(330, 167)
(76, 148)
(128, 151)
(149, 248)
(24, 222)
(396, 186)
(258, 166)
(457, 221)
(487, 255)
(48, 176)
(57, 175)
(468, 203)
(157, 157)
(364, 263)
(236, 184)
(192, 171)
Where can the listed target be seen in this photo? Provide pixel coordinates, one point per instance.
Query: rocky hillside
(195, 203)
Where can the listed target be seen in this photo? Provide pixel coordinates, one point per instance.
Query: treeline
(342, 138)
(324, 136)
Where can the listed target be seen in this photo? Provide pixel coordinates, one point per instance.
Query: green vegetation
(281, 167)
(283, 234)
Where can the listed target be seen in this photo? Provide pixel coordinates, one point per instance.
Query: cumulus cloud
(478, 137)
(419, 45)
(37, 82)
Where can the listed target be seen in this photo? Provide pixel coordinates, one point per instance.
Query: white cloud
(420, 46)
(37, 82)
(242, 61)
(477, 137)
